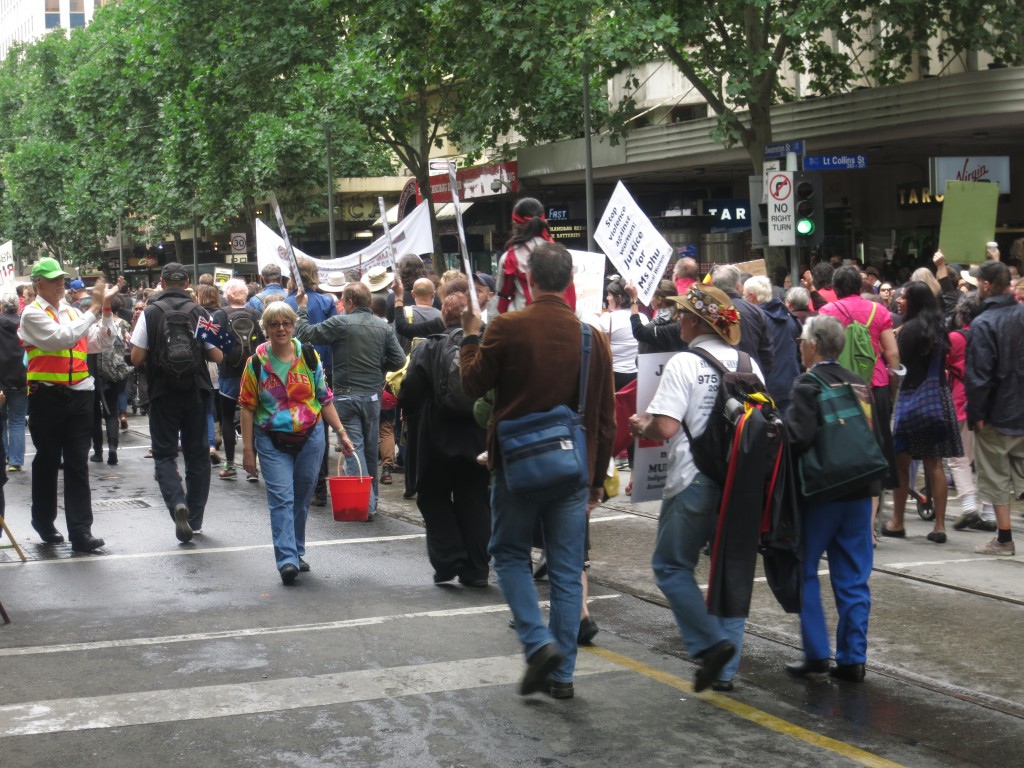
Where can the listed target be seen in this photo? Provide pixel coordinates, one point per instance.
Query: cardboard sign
(588, 279)
(632, 243)
(650, 458)
(968, 220)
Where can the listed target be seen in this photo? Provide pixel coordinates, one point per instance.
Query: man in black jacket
(755, 338)
(993, 381)
(177, 405)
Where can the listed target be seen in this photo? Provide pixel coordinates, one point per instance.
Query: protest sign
(289, 252)
(7, 265)
(632, 243)
(467, 265)
(650, 458)
(968, 220)
(588, 280)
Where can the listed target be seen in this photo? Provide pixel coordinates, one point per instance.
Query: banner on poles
(411, 235)
(632, 243)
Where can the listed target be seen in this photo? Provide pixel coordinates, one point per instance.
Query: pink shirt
(855, 308)
(683, 284)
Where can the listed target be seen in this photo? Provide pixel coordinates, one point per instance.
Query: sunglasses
(281, 324)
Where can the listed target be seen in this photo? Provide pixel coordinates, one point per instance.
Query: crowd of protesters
(370, 357)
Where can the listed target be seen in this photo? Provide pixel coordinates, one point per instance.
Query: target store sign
(781, 210)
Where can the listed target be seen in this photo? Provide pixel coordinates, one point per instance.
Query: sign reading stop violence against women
(632, 243)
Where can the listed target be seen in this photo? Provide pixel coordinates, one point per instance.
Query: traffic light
(758, 215)
(809, 214)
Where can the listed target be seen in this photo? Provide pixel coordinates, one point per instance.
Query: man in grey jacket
(364, 349)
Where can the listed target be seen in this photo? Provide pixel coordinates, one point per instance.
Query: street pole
(330, 190)
(195, 252)
(120, 245)
(588, 160)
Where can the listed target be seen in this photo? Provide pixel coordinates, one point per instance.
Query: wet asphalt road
(155, 653)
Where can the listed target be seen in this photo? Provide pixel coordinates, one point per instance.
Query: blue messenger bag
(545, 454)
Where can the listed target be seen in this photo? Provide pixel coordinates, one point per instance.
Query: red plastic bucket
(350, 496)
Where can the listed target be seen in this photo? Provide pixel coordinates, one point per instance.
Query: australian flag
(209, 332)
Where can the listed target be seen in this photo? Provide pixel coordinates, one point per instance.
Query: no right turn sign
(781, 231)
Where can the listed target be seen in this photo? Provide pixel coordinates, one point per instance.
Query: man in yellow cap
(57, 338)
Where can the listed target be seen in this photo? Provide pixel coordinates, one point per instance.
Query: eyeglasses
(281, 324)
(885, 289)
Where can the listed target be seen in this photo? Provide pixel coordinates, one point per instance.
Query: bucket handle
(338, 472)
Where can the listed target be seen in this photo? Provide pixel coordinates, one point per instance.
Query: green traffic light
(805, 227)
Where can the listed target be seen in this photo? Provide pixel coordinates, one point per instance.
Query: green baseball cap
(48, 268)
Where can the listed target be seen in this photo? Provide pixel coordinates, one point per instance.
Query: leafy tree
(734, 52)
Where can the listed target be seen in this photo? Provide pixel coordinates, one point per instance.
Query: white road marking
(617, 517)
(934, 562)
(203, 702)
(179, 552)
(135, 642)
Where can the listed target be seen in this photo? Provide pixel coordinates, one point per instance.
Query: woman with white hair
(783, 330)
(13, 385)
(244, 321)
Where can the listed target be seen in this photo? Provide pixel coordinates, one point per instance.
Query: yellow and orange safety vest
(61, 366)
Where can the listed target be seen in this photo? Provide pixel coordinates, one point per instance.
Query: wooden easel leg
(14, 543)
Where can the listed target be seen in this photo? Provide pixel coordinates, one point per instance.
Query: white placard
(7, 265)
(632, 243)
(588, 280)
(650, 458)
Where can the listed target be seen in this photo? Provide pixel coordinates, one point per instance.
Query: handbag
(545, 454)
(845, 454)
(112, 366)
(291, 443)
(921, 412)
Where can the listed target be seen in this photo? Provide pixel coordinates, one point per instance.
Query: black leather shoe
(561, 690)
(807, 667)
(711, 662)
(539, 666)
(722, 686)
(86, 544)
(112, 458)
(288, 574)
(97, 457)
(52, 538)
(303, 566)
(471, 582)
(852, 672)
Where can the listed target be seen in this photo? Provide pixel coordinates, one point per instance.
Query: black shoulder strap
(586, 337)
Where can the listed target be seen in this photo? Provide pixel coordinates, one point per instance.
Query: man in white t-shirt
(689, 508)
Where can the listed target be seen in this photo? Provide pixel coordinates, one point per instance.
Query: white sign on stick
(650, 458)
(781, 209)
(629, 239)
(7, 265)
(588, 279)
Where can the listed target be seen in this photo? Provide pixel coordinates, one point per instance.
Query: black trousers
(60, 423)
(170, 415)
(105, 413)
(453, 499)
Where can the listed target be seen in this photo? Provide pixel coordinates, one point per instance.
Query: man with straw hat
(686, 395)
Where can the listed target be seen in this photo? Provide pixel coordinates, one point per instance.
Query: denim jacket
(364, 349)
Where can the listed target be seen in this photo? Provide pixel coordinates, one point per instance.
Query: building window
(77, 6)
(77, 20)
(52, 14)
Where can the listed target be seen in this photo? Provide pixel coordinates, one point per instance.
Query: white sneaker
(996, 547)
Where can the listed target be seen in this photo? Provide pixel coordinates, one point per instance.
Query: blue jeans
(289, 481)
(686, 523)
(564, 522)
(843, 529)
(14, 426)
(360, 415)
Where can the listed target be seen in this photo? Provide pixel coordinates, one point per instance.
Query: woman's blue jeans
(289, 481)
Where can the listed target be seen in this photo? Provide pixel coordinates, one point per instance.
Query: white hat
(378, 279)
(335, 283)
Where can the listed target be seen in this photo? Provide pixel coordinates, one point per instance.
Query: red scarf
(513, 275)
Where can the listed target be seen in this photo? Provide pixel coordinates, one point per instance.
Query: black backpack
(448, 392)
(736, 389)
(248, 335)
(177, 354)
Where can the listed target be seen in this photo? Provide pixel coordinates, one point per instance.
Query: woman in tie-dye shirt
(283, 396)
